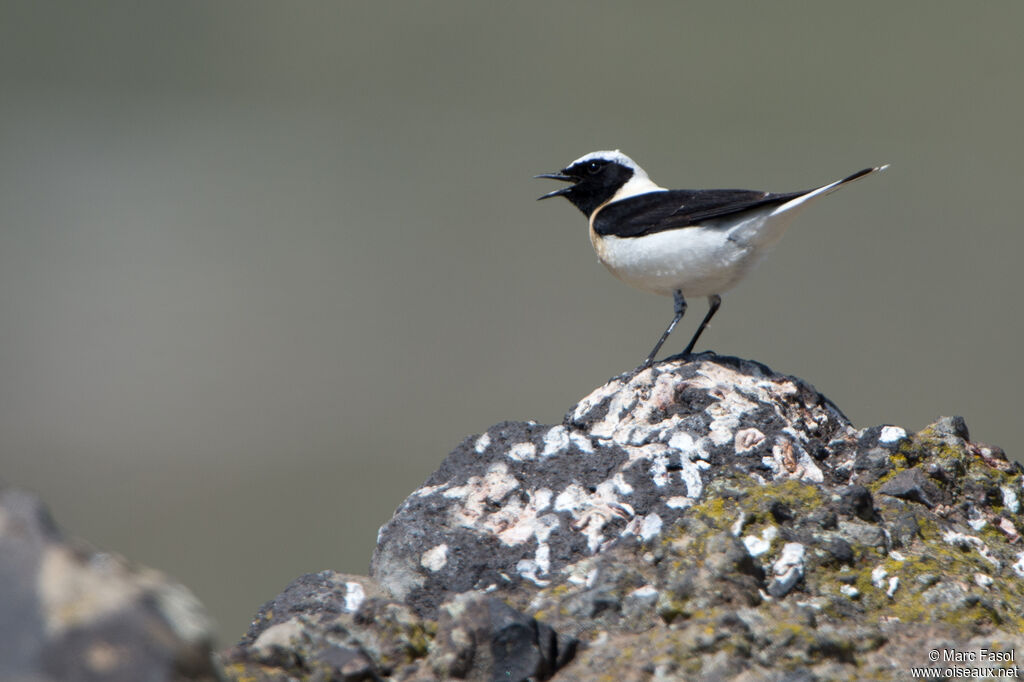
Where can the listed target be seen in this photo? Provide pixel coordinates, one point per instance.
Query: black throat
(593, 190)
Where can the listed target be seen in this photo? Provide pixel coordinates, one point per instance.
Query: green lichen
(797, 495)
(981, 608)
(239, 672)
(713, 511)
(416, 639)
(755, 499)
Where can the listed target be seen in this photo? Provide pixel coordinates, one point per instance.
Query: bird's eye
(593, 167)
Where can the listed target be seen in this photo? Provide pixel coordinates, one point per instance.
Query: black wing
(659, 211)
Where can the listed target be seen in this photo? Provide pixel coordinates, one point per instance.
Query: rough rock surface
(69, 613)
(703, 519)
(523, 501)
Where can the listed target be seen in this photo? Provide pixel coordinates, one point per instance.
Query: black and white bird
(678, 242)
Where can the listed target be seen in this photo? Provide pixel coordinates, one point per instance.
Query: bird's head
(598, 178)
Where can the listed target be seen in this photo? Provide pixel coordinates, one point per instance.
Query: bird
(681, 243)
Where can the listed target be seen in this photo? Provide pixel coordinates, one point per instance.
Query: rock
(788, 570)
(338, 626)
(69, 612)
(702, 519)
(343, 627)
(856, 500)
(523, 501)
(482, 638)
(911, 484)
(840, 551)
(871, 465)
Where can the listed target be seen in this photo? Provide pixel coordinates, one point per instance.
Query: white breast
(699, 261)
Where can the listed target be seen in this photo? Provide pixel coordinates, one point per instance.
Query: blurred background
(263, 265)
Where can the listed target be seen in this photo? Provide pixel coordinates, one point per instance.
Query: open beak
(557, 192)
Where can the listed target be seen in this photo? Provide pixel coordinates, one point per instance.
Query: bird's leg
(680, 308)
(714, 302)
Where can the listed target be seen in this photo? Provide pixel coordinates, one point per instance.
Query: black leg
(680, 308)
(714, 302)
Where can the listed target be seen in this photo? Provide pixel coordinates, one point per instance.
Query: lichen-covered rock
(480, 637)
(522, 501)
(329, 626)
(816, 599)
(332, 626)
(69, 612)
(706, 518)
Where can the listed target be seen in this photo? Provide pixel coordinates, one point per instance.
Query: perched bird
(678, 242)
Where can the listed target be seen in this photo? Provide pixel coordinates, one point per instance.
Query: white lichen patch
(619, 484)
(556, 441)
(659, 398)
(596, 397)
(792, 556)
(522, 452)
(619, 409)
(355, 595)
(517, 522)
(1010, 499)
(681, 440)
(790, 460)
(647, 592)
(1006, 525)
(1018, 566)
(963, 541)
(739, 524)
(582, 442)
(579, 573)
(482, 443)
(678, 502)
(658, 455)
(757, 546)
(725, 416)
(878, 576)
(591, 512)
(650, 527)
(894, 583)
(788, 568)
(663, 459)
(479, 492)
(747, 439)
(435, 558)
(542, 557)
(689, 474)
(779, 391)
(736, 395)
(891, 434)
(645, 527)
(635, 409)
(531, 569)
(663, 394)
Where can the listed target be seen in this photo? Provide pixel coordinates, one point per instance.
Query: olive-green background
(262, 265)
